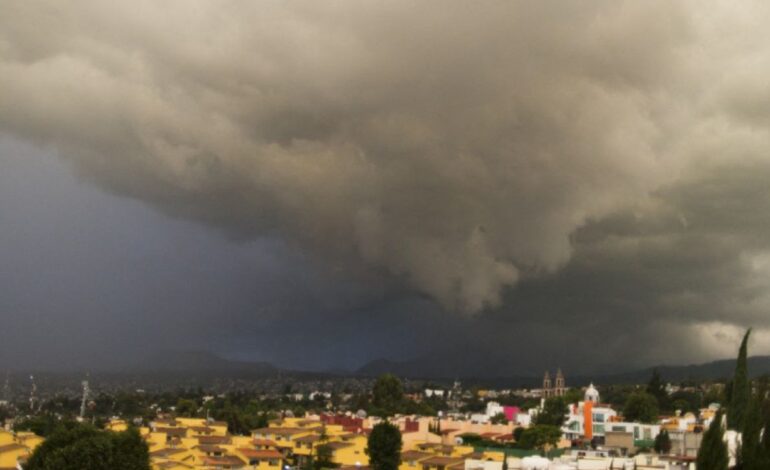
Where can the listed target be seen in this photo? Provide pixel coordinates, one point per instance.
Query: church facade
(555, 388)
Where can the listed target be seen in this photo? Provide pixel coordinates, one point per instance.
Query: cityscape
(384, 235)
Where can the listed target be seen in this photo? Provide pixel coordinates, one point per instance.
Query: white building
(494, 408)
(478, 464)
(575, 426)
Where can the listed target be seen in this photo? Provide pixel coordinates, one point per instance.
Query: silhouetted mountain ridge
(714, 370)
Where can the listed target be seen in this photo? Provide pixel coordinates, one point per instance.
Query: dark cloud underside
(581, 173)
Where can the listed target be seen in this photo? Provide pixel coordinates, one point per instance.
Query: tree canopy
(387, 395)
(539, 436)
(657, 389)
(499, 418)
(384, 447)
(554, 412)
(641, 407)
(84, 447)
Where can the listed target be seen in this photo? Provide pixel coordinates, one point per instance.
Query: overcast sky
(319, 184)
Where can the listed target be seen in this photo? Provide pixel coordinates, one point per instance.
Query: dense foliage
(384, 447)
(540, 436)
(657, 389)
(713, 450)
(662, 442)
(84, 447)
(641, 407)
(499, 418)
(554, 412)
(741, 390)
(387, 396)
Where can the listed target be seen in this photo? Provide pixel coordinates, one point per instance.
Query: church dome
(592, 394)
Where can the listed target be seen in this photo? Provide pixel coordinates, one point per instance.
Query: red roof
(348, 423)
(264, 442)
(223, 460)
(260, 454)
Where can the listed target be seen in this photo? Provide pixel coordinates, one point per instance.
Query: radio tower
(7, 390)
(83, 402)
(32, 394)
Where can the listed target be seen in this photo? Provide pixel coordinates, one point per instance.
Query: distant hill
(202, 361)
(721, 369)
(205, 366)
(758, 365)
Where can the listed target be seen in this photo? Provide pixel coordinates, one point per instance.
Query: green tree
(384, 447)
(641, 407)
(186, 408)
(662, 442)
(323, 457)
(657, 389)
(752, 454)
(324, 452)
(741, 393)
(712, 454)
(554, 412)
(517, 434)
(539, 436)
(499, 418)
(387, 395)
(573, 395)
(42, 425)
(84, 447)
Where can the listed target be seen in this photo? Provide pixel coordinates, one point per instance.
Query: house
(261, 459)
(11, 454)
(443, 463)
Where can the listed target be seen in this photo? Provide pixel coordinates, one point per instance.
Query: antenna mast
(32, 393)
(83, 402)
(7, 389)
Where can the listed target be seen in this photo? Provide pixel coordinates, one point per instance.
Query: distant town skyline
(513, 186)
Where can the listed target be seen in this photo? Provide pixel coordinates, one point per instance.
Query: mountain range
(714, 370)
(203, 363)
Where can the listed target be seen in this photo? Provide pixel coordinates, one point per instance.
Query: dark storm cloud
(604, 153)
(455, 146)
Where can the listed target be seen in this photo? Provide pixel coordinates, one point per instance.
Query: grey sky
(315, 184)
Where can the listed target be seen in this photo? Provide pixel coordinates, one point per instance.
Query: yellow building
(11, 454)
(410, 459)
(261, 459)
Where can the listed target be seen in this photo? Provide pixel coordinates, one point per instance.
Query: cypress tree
(741, 395)
(662, 443)
(657, 388)
(765, 413)
(712, 454)
(752, 454)
(384, 447)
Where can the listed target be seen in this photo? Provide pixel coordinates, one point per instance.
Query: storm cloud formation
(459, 149)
